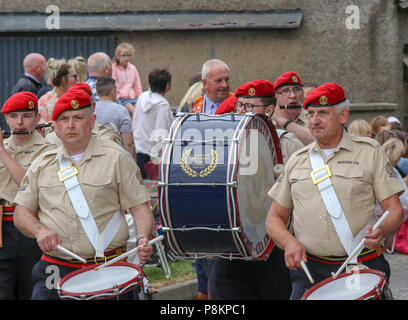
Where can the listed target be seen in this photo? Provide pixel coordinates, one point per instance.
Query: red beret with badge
(289, 78)
(255, 89)
(82, 86)
(227, 106)
(73, 99)
(21, 101)
(327, 95)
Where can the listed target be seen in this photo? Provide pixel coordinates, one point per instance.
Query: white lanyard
(321, 177)
(100, 241)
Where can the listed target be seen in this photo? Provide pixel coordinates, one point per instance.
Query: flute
(45, 125)
(291, 106)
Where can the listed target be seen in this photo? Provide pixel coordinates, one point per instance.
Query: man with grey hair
(34, 71)
(330, 188)
(216, 86)
(99, 65)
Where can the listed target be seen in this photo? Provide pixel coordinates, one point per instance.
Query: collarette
(31, 77)
(94, 148)
(345, 143)
(36, 139)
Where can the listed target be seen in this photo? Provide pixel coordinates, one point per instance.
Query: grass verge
(181, 271)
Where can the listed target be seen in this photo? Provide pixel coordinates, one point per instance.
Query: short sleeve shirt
(24, 157)
(110, 181)
(361, 175)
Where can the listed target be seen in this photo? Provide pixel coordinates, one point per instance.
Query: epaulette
(370, 141)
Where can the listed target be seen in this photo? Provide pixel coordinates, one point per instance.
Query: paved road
(399, 275)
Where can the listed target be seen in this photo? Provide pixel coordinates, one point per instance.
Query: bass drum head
(259, 153)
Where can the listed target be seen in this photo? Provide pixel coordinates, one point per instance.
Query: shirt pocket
(100, 192)
(301, 183)
(51, 194)
(350, 183)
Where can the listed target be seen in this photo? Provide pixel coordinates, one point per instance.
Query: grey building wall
(367, 62)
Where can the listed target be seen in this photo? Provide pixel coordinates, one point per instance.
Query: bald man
(34, 71)
(99, 65)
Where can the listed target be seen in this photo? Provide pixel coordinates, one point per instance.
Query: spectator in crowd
(360, 128)
(99, 65)
(395, 123)
(34, 72)
(215, 77)
(378, 124)
(79, 64)
(194, 91)
(128, 84)
(152, 118)
(52, 67)
(106, 109)
(308, 87)
(65, 77)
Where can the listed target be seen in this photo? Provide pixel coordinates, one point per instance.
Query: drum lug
(116, 291)
(82, 296)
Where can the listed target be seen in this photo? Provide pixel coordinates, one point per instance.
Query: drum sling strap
(100, 241)
(321, 177)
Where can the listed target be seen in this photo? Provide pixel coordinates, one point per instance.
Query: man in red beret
(259, 280)
(18, 254)
(330, 188)
(289, 115)
(75, 196)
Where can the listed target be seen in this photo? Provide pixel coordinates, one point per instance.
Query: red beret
(73, 99)
(287, 79)
(328, 94)
(256, 88)
(227, 106)
(82, 86)
(21, 101)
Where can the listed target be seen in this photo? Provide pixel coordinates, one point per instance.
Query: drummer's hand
(47, 239)
(373, 239)
(294, 253)
(144, 250)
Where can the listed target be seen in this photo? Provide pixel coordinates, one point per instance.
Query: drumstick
(73, 255)
(361, 244)
(126, 254)
(306, 271)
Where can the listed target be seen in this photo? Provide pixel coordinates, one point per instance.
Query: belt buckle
(328, 175)
(62, 179)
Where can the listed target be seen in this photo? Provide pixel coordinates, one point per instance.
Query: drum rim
(276, 141)
(137, 279)
(347, 274)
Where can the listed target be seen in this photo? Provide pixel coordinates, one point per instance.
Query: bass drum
(215, 173)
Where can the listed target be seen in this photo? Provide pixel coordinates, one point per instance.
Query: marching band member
(245, 280)
(74, 196)
(351, 174)
(18, 254)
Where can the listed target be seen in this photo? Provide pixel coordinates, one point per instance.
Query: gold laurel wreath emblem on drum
(203, 173)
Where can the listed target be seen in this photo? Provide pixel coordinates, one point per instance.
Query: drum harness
(100, 241)
(321, 177)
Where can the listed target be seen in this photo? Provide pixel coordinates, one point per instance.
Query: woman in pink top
(128, 84)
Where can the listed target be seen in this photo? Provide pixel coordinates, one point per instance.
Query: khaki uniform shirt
(300, 120)
(24, 157)
(106, 130)
(289, 145)
(109, 179)
(361, 174)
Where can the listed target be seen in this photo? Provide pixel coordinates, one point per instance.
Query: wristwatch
(287, 123)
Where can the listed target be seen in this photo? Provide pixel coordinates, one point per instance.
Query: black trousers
(249, 280)
(321, 271)
(18, 256)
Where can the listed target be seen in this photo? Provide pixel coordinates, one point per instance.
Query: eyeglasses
(125, 55)
(287, 91)
(248, 107)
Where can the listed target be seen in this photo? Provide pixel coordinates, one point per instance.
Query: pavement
(398, 282)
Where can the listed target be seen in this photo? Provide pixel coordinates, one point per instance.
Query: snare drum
(216, 171)
(109, 282)
(366, 284)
